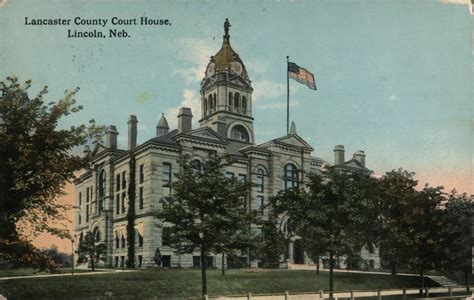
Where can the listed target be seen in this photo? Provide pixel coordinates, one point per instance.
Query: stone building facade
(226, 127)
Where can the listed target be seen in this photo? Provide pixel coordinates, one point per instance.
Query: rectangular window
(229, 175)
(124, 180)
(260, 182)
(140, 261)
(117, 204)
(166, 261)
(92, 194)
(117, 242)
(140, 240)
(123, 201)
(117, 182)
(116, 261)
(87, 194)
(87, 213)
(167, 181)
(196, 261)
(141, 197)
(142, 173)
(122, 261)
(80, 198)
(166, 236)
(79, 218)
(259, 204)
(242, 177)
(123, 241)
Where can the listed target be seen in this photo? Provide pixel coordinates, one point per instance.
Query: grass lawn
(29, 272)
(187, 283)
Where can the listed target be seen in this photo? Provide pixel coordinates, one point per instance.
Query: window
(123, 241)
(166, 236)
(87, 213)
(196, 166)
(79, 218)
(117, 204)
(123, 201)
(140, 240)
(166, 181)
(117, 241)
(244, 105)
(229, 175)
(166, 261)
(87, 194)
(124, 180)
(259, 204)
(117, 182)
(196, 261)
(260, 181)
(92, 194)
(290, 176)
(237, 102)
(116, 261)
(101, 189)
(142, 174)
(140, 261)
(242, 177)
(230, 101)
(97, 236)
(80, 198)
(141, 197)
(122, 261)
(239, 133)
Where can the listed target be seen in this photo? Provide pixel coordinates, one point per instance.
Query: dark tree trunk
(422, 276)
(317, 266)
(393, 267)
(203, 274)
(331, 275)
(223, 265)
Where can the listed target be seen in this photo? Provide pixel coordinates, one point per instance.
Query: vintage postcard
(240, 149)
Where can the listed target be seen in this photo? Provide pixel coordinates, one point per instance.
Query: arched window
(196, 166)
(231, 100)
(260, 180)
(237, 103)
(96, 234)
(101, 190)
(205, 107)
(117, 240)
(244, 105)
(239, 133)
(210, 104)
(215, 102)
(290, 176)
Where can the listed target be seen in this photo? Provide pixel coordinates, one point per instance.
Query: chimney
(132, 132)
(111, 137)
(360, 156)
(338, 154)
(185, 118)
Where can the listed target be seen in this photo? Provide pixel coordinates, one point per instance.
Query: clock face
(211, 70)
(236, 68)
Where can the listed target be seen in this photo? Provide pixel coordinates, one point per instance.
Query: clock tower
(226, 95)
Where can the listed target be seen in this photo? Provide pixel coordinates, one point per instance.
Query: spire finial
(293, 128)
(226, 29)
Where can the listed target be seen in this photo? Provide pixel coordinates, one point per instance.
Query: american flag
(301, 75)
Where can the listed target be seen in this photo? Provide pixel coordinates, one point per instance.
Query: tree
(36, 161)
(334, 212)
(422, 223)
(456, 235)
(90, 250)
(203, 208)
(271, 244)
(397, 191)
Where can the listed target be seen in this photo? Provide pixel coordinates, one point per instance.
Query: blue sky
(394, 77)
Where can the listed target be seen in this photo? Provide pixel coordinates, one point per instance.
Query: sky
(394, 77)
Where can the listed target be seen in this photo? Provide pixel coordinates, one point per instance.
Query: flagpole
(287, 96)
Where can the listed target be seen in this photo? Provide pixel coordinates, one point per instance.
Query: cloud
(463, 2)
(190, 99)
(276, 105)
(195, 53)
(392, 98)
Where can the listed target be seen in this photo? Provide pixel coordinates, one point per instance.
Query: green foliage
(456, 235)
(207, 210)
(271, 244)
(131, 214)
(334, 214)
(90, 250)
(36, 161)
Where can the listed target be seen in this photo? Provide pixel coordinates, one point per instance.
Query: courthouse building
(226, 127)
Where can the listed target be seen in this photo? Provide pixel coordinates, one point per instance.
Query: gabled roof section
(352, 164)
(100, 150)
(290, 140)
(202, 133)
